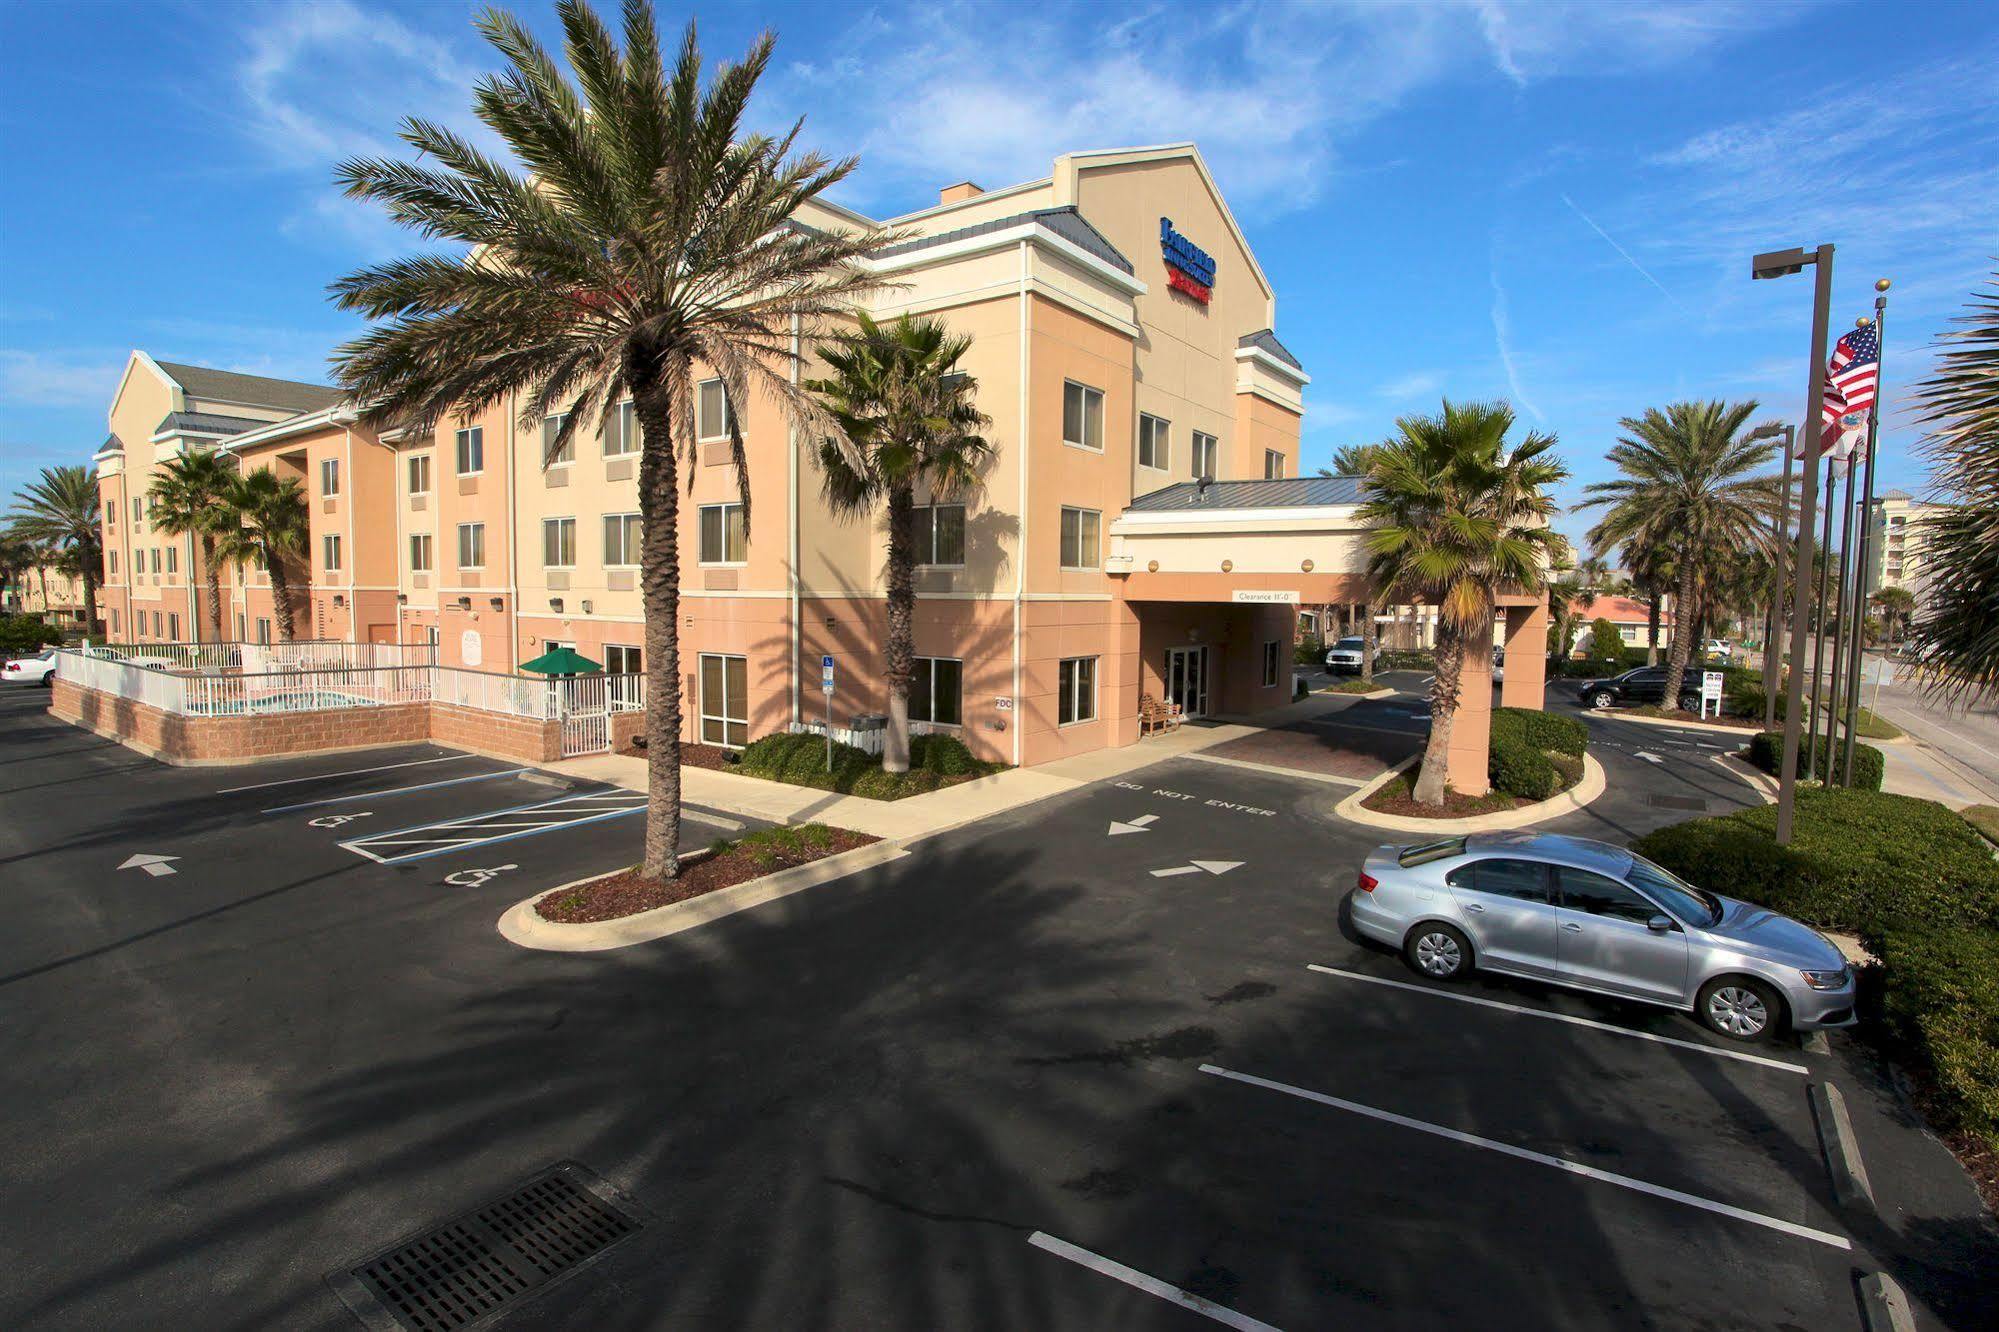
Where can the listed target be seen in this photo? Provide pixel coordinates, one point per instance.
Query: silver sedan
(1596, 917)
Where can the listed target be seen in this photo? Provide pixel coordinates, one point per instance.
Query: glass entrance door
(1187, 679)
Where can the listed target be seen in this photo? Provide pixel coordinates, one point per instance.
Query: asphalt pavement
(1068, 1067)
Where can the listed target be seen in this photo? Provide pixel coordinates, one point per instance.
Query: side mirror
(1660, 923)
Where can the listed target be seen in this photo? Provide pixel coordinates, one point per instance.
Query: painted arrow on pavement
(1198, 867)
(153, 865)
(1136, 825)
(1650, 758)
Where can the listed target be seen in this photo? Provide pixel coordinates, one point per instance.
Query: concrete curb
(1383, 692)
(1765, 785)
(1588, 788)
(1883, 1306)
(521, 925)
(1742, 733)
(1842, 1150)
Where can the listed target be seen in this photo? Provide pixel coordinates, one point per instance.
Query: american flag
(1850, 382)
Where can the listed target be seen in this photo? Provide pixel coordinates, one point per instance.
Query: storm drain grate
(1694, 803)
(473, 1265)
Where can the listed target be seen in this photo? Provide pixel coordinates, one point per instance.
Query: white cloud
(1502, 336)
(1418, 384)
(37, 379)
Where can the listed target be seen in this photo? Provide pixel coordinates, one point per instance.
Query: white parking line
(1540, 1158)
(395, 790)
(351, 772)
(1150, 1285)
(1591, 1023)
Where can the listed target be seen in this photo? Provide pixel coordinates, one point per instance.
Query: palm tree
(1358, 460)
(16, 558)
(1563, 592)
(909, 418)
(1895, 605)
(1458, 518)
(1686, 490)
(188, 498)
(59, 510)
(656, 233)
(266, 524)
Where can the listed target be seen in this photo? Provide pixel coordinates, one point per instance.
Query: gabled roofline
(934, 210)
(340, 414)
(175, 392)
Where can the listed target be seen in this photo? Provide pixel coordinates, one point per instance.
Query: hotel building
(1142, 529)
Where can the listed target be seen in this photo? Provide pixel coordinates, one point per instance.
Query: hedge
(1766, 751)
(1525, 746)
(1940, 996)
(801, 760)
(1543, 730)
(26, 633)
(1858, 860)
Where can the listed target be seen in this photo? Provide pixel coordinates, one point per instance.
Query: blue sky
(1549, 203)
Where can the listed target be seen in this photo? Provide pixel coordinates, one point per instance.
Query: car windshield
(1424, 852)
(1694, 905)
(1352, 644)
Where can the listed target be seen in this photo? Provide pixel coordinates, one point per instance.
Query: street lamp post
(1779, 264)
(1772, 655)
(1864, 569)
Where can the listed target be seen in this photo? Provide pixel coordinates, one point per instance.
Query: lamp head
(1779, 263)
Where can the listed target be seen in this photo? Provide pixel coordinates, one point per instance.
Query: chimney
(964, 189)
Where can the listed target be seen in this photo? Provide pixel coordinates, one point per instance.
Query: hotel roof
(229, 386)
(1300, 492)
(1265, 340)
(205, 423)
(1065, 222)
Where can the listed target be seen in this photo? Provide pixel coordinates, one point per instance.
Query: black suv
(1647, 684)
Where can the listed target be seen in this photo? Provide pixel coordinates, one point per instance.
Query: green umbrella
(562, 661)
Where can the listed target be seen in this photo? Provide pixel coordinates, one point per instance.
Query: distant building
(52, 594)
(1898, 543)
(1631, 617)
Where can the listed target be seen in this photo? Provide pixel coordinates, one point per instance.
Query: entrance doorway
(1187, 680)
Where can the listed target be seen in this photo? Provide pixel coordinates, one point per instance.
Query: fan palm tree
(266, 525)
(909, 418)
(1687, 490)
(189, 499)
(1563, 592)
(1458, 518)
(1958, 630)
(16, 558)
(59, 510)
(655, 233)
(1895, 605)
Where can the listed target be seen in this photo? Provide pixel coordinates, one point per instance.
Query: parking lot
(1090, 1063)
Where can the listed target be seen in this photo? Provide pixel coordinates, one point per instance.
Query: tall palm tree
(1687, 489)
(189, 497)
(1459, 518)
(59, 509)
(16, 558)
(1895, 605)
(655, 233)
(1957, 632)
(1563, 591)
(1358, 460)
(266, 524)
(910, 417)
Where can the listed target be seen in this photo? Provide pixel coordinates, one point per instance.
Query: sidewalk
(919, 816)
(1912, 768)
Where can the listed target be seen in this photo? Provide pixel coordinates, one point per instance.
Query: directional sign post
(153, 865)
(1711, 682)
(826, 684)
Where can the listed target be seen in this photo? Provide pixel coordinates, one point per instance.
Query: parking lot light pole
(1781, 263)
(1773, 614)
(1864, 566)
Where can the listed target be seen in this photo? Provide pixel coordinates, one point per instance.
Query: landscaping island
(1535, 756)
(723, 865)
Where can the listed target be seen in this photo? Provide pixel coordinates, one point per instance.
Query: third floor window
(329, 476)
(471, 450)
(558, 542)
(621, 431)
(724, 538)
(940, 534)
(1205, 449)
(1153, 434)
(1273, 465)
(711, 410)
(551, 426)
(1082, 415)
(420, 474)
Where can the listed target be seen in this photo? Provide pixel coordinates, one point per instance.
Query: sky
(1553, 204)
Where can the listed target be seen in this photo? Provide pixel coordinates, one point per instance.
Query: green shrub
(1940, 997)
(1309, 652)
(1593, 668)
(1605, 642)
(944, 755)
(1858, 860)
(1569, 765)
(1766, 751)
(801, 761)
(25, 633)
(1405, 659)
(1542, 730)
(1518, 768)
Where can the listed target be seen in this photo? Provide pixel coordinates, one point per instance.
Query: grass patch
(1985, 818)
(1352, 684)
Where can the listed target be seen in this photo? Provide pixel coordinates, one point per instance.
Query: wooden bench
(1156, 716)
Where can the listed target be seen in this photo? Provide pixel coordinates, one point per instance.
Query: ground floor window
(1076, 689)
(159, 628)
(240, 636)
(173, 628)
(1270, 664)
(936, 691)
(264, 631)
(725, 700)
(114, 621)
(626, 666)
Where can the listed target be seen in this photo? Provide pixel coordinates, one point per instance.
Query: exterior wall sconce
(499, 603)
(555, 604)
(339, 599)
(464, 603)
(1228, 566)
(402, 598)
(586, 608)
(1306, 566)
(1152, 566)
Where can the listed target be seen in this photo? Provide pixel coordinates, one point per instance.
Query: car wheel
(1600, 700)
(1438, 951)
(1739, 1008)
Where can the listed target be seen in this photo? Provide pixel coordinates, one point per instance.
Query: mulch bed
(1675, 715)
(691, 756)
(1397, 797)
(624, 893)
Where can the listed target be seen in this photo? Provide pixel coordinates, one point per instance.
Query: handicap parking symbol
(472, 878)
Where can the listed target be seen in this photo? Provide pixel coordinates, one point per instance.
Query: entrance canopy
(1295, 540)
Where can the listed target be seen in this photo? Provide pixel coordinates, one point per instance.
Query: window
(725, 706)
(1153, 436)
(1686, 901)
(1205, 449)
(724, 540)
(113, 557)
(138, 513)
(173, 627)
(158, 631)
(621, 540)
(626, 668)
(264, 632)
(1270, 664)
(1076, 690)
(936, 689)
(940, 534)
(711, 410)
(420, 474)
(471, 545)
(1273, 464)
(622, 660)
(240, 637)
(173, 559)
(558, 543)
(471, 450)
(621, 432)
(1523, 880)
(331, 544)
(114, 621)
(420, 552)
(1082, 416)
(1603, 896)
(551, 426)
(1079, 538)
(329, 476)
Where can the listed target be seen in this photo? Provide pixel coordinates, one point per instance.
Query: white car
(40, 668)
(1718, 647)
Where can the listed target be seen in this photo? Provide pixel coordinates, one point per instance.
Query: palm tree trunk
(214, 585)
(89, 597)
(1431, 779)
(42, 572)
(1652, 630)
(901, 624)
(659, 583)
(281, 594)
(1368, 642)
(1684, 612)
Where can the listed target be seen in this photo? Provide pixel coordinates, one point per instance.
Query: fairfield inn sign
(1189, 268)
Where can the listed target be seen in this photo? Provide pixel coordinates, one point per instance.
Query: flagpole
(1810, 764)
(1842, 627)
(1773, 656)
(1865, 569)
